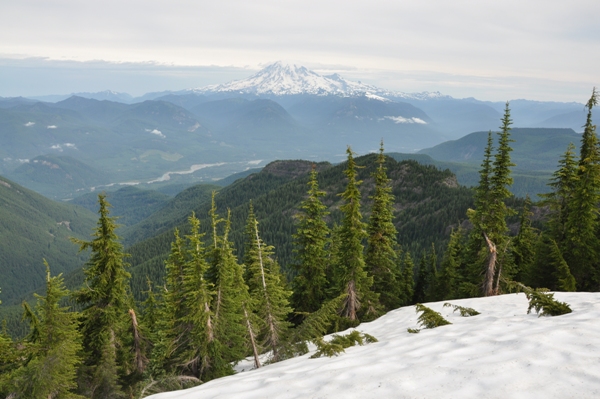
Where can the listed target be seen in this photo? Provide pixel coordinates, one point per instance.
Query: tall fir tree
(352, 278)
(523, 247)
(382, 242)
(559, 200)
(230, 294)
(270, 298)
(489, 217)
(310, 241)
(104, 318)
(172, 332)
(582, 245)
(198, 293)
(53, 356)
(406, 286)
(560, 203)
(448, 281)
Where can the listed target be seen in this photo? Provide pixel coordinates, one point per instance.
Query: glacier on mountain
(280, 79)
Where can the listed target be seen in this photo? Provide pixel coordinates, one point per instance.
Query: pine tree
(352, 276)
(310, 241)
(53, 358)
(104, 319)
(270, 299)
(582, 245)
(382, 242)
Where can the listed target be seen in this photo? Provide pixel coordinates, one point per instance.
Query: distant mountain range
(202, 134)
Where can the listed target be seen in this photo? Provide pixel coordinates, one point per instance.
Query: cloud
(401, 119)
(51, 127)
(29, 124)
(157, 132)
(150, 45)
(59, 147)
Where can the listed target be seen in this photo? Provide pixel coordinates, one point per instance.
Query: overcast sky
(491, 50)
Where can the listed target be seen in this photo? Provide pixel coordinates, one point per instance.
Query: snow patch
(501, 353)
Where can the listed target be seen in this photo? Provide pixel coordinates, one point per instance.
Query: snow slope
(501, 353)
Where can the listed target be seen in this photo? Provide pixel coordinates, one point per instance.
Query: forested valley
(299, 250)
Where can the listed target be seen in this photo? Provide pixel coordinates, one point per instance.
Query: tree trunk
(252, 339)
(488, 283)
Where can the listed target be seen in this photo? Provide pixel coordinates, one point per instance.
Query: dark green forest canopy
(429, 202)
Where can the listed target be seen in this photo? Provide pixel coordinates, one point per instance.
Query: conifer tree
(53, 357)
(310, 241)
(172, 334)
(523, 247)
(406, 287)
(542, 272)
(382, 242)
(198, 293)
(582, 245)
(489, 218)
(104, 318)
(352, 276)
(269, 297)
(562, 274)
(423, 280)
(231, 293)
(447, 284)
(559, 200)
(10, 360)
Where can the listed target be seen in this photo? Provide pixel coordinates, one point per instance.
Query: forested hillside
(34, 228)
(428, 203)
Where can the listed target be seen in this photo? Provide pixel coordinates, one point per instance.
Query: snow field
(501, 353)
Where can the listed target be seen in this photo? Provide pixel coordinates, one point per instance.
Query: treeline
(211, 309)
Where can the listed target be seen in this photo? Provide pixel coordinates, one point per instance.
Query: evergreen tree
(269, 296)
(198, 293)
(523, 247)
(231, 293)
(382, 242)
(104, 318)
(582, 246)
(423, 280)
(53, 357)
(448, 281)
(559, 200)
(406, 286)
(310, 241)
(489, 217)
(352, 276)
(562, 274)
(172, 335)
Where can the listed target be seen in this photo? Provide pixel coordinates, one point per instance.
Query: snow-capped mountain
(281, 79)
